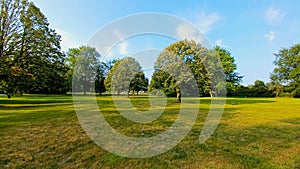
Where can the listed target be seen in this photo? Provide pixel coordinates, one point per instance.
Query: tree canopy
(85, 68)
(30, 54)
(287, 71)
(126, 75)
(205, 66)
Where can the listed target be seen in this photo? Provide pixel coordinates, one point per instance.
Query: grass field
(42, 131)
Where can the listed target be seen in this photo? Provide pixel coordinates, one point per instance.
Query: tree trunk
(128, 94)
(178, 95)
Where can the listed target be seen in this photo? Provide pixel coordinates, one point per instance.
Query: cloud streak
(273, 15)
(202, 21)
(270, 36)
(123, 45)
(205, 22)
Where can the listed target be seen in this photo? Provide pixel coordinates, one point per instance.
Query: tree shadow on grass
(33, 101)
(257, 146)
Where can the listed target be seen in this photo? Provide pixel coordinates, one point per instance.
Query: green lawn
(42, 131)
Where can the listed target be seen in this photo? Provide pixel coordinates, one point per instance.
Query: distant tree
(287, 71)
(86, 68)
(107, 80)
(275, 88)
(126, 74)
(139, 83)
(243, 91)
(100, 77)
(259, 88)
(70, 62)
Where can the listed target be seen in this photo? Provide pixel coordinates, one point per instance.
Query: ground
(42, 131)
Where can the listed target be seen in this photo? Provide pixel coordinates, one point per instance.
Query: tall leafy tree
(233, 78)
(30, 55)
(190, 54)
(100, 77)
(139, 83)
(287, 71)
(84, 64)
(126, 75)
(206, 67)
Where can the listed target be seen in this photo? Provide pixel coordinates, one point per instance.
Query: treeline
(31, 61)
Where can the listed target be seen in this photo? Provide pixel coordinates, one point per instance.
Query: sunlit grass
(42, 131)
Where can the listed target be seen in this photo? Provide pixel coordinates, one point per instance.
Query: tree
(107, 80)
(162, 80)
(172, 59)
(229, 66)
(126, 75)
(205, 65)
(85, 68)
(30, 56)
(139, 83)
(287, 71)
(100, 77)
(275, 88)
(259, 89)
(70, 62)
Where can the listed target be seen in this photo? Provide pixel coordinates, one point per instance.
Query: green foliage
(229, 67)
(139, 83)
(275, 88)
(100, 77)
(189, 54)
(287, 69)
(163, 82)
(30, 54)
(107, 81)
(206, 67)
(125, 75)
(85, 69)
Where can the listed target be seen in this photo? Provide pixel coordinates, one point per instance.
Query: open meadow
(42, 131)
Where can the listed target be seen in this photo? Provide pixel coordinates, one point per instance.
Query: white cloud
(270, 36)
(205, 22)
(123, 48)
(185, 31)
(273, 15)
(123, 45)
(202, 21)
(219, 42)
(67, 40)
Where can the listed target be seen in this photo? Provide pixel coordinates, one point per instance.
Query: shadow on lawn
(35, 101)
(257, 145)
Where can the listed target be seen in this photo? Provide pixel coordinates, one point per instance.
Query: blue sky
(251, 30)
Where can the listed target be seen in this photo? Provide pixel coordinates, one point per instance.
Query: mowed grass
(42, 131)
